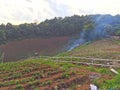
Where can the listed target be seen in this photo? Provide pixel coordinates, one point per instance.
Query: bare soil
(16, 50)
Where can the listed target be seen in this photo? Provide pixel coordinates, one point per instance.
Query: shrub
(34, 83)
(47, 83)
(65, 75)
(17, 75)
(37, 75)
(27, 70)
(19, 87)
(30, 84)
(1, 84)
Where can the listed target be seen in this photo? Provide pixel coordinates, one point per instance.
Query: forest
(68, 26)
(49, 28)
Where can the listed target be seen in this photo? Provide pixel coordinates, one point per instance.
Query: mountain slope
(105, 48)
(44, 74)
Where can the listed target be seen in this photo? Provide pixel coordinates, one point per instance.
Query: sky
(30, 11)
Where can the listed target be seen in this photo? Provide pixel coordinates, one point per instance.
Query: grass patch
(113, 84)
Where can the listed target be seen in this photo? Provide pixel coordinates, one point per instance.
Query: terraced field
(45, 75)
(106, 48)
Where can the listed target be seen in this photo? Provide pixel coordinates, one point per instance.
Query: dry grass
(105, 48)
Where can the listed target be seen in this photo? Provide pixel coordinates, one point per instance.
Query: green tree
(118, 32)
(1, 56)
(2, 36)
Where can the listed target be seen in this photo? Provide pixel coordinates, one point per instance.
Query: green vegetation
(65, 75)
(46, 83)
(1, 56)
(99, 70)
(2, 36)
(113, 84)
(88, 27)
(105, 48)
(43, 72)
(19, 87)
(33, 82)
(16, 75)
(117, 32)
(57, 26)
(68, 26)
(117, 41)
(15, 82)
(34, 73)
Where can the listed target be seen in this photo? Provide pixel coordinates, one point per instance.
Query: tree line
(68, 26)
(57, 26)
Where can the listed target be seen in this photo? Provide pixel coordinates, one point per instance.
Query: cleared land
(43, 46)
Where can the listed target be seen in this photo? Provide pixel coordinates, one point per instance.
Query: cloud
(30, 9)
(21, 11)
(84, 12)
(30, 1)
(59, 9)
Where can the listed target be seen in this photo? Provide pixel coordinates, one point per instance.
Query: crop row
(19, 74)
(33, 76)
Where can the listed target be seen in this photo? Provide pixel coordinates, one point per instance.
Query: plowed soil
(44, 77)
(17, 50)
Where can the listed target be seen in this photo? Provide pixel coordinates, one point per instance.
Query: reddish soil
(43, 46)
(33, 69)
(83, 87)
(56, 77)
(105, 77)
(50, 78)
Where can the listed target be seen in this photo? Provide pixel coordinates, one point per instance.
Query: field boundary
(86, 61)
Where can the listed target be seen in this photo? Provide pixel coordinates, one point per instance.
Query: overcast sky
(21, 11)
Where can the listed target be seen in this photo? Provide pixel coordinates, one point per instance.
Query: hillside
(89, 36)
(22, 49)
(59, 44)
(79, 30)
(105, 48)
(42, 74)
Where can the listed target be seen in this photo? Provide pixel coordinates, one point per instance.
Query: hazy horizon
(30, 11)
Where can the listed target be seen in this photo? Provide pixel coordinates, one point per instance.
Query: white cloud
(93, 6)
(21, 11)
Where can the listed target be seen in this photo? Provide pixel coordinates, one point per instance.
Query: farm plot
(104, 49)
(46, 75)
(17, 50)
(34, 75)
